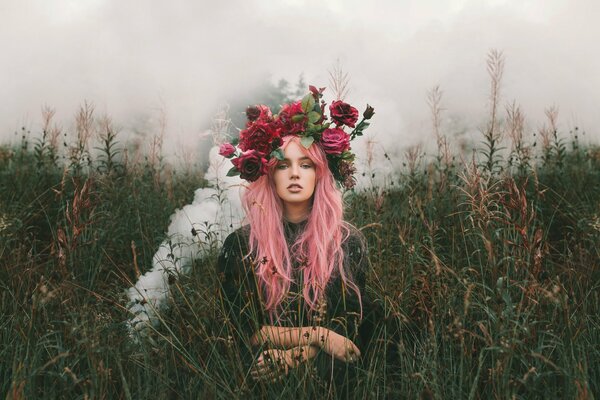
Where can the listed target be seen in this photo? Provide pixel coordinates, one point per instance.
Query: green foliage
(484, 285)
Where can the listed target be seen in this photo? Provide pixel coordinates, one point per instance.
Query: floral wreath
(262, 138)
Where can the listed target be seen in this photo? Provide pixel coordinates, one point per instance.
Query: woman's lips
(294, 185)
(294, 188)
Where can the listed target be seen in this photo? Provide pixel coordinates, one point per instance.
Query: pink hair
(320, 245)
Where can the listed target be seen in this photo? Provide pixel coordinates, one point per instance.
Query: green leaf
(348, 156)
(278, 154)
(297, 117)
(308, 103)
(307, 141)
(313, 116)
(233, 172)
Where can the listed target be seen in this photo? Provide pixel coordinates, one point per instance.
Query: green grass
(485, 280)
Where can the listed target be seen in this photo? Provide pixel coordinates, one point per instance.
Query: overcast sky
(131, 58)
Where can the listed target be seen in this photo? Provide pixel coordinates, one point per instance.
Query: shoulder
(237, 238)
(235, 246)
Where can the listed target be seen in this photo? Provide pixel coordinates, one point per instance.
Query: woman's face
(295, 178)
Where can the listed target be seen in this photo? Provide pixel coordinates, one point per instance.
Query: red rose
(259, 112)
(335, 141)
(251, 164)
(343, 113)
(259, 136)
(226, 150)
(292, 118)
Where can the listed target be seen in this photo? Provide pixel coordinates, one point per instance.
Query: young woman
(293, 278)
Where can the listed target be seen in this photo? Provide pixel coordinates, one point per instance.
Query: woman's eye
(282, 166)
(306, 165)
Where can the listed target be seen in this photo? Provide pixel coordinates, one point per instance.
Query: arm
(297, 345)
(333, 343)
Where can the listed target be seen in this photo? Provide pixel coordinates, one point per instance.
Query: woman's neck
(295, 215)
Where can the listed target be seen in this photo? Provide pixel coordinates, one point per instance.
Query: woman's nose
(295, 170)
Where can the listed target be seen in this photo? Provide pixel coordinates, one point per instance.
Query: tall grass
(485, 279)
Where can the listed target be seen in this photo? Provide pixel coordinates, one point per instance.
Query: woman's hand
(338, 346)
(274, 364)
(271, 366)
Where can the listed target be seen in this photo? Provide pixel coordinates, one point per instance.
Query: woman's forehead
(293, 152)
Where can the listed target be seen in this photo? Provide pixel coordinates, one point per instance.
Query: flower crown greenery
(262, 138)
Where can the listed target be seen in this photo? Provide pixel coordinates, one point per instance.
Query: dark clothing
(241, 294)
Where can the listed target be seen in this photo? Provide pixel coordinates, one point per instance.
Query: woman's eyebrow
(301, 159)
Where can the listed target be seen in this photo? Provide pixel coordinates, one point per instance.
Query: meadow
(485, 270)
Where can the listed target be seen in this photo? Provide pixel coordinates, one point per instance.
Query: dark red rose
(251, 164)
(259, 136)
(226, 150)
(259, 112)
(369, 112)
(335, 141)
(292, 119)
(343, 113)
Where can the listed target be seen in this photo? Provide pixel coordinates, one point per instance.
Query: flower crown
(262, 138)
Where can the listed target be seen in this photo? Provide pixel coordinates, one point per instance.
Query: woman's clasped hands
(274, 364)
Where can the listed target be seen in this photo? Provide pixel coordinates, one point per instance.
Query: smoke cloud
(215, 212)
(188, 58)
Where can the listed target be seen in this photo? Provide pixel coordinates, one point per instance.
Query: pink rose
(335, 141)
(343, 113)
(226, 150)
(252, 165)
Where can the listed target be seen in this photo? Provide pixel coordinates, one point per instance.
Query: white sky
(132, 57)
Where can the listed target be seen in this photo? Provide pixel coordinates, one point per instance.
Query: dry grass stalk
(79, 153)
(434, 100)
(492, 134)
(85, 122)
(515, 126)
(413, 156)
(370, 152)
(156, 145)
(483, 198)
(67, 238)
(85, 125)
(50, 129)
(552, 115)
(545, 135)
(338, 79)
(547, 132)
(106, 127)
(495, 68)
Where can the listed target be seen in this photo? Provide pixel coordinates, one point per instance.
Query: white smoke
(191, 234)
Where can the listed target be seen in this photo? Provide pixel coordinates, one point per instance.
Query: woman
(293, 279)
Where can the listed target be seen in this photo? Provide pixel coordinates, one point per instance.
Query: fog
(187, 59)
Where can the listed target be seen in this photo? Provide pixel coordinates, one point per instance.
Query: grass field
(486, 273)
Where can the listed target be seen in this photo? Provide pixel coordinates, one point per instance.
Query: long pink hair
(320, 245)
